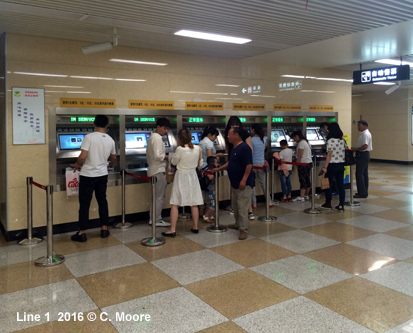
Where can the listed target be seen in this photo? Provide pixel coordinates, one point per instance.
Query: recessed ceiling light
(41, 74)
(132, 80)
(137, 62)
(295, 76)
(227, 85)
(214, 37)
(91, 77)
(385, 83)
(395, 62)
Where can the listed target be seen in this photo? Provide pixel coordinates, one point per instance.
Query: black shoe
(104, 233)
(359, 196)
(79, 237)
(326, 206)
(339, 208)
(195, 231)
(170, 234)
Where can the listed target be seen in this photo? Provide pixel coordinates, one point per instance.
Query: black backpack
(204, 181)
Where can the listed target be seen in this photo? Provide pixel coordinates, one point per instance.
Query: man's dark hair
(334, 131)
(101, 121)
(163, 122)
(283, 143)
(323, 124)
(363, 122)
(300, 135)
(238, 131)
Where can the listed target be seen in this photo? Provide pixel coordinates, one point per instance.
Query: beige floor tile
(64, 245)
(227, 327)
(3, 241)
(179, 245)
(239, 293)
(395, 215)
(336, 215)
(339, 231)
(350, 259)
(124, 284)
(410, 260)
(259, 229)
(405, 233)
(367, 303)
(276, 210)
(72, 326)
(385, 202)
(27, 275)
(253, 252)
(379, 192)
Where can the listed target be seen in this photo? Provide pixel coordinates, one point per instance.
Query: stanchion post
(153, 241)
(267, 217)
(30, 240)
(313, 210)
(123, 224)
(50, 259)
(352, 202)
(216, 227)
(272, 179)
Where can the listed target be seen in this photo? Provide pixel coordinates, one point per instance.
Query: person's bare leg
(174, 218)
(195, 216)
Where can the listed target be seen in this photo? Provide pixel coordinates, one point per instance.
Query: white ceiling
(320, 33)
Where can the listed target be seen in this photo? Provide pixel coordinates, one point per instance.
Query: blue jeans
(286, 182)
(211, 196)
(335, 171)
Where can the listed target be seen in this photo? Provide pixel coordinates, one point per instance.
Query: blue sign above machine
(384, 74)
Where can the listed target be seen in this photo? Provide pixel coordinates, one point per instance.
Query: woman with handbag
(186, 190)
(334, 167)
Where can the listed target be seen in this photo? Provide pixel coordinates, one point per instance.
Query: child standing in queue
(286, 155)
(212, 162)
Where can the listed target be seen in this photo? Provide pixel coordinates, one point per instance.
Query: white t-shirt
(99, 147)
(155, 155)
(306, 157)
(365, 138)
(186, 158)
(287, 156)
(206, 144)
(337, 147)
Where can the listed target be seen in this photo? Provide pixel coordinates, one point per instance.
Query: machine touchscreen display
(312, 134)
(70, 141)
(136, 140)
(277, 135)
(196, 137)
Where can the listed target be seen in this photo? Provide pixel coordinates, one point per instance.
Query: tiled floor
(329, 272)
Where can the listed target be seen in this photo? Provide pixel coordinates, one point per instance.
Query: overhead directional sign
(384, 74)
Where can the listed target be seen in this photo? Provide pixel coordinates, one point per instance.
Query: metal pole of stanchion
(123, 224)
(267, 217)
(50, 259)
(272, 179)
(352, 202)
(30, 240)
(313, 210)
(184, 215)
(217, 228)
(153, 241)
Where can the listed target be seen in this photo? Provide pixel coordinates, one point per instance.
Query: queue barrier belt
(38, 185)
(137, 176)
(259, 168)
(207, 172)
(278, 161)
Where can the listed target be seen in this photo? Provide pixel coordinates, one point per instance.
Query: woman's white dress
(186, 190)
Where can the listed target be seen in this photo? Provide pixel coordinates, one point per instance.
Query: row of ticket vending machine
(131, 133)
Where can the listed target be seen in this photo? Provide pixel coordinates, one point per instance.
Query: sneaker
(230, 212)
(161, 223)
(306, 197)
(339, 208)
(299, 199)
(251, 216)
(326, 206)
(290, 199)
(242, 235)
(284, 200)
(79, 237)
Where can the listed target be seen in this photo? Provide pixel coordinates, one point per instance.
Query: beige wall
(185, 78)
(389, 119)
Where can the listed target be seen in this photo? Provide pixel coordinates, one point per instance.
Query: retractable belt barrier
(313, 209)
(352, 202)
(216, 227)
(267, 217)
(149, 241)
(30, 240)
(49, 259)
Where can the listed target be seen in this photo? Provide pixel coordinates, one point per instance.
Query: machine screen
(70, 141)
(196, 136)
(312, 134)
(277, 135)
(136, 140)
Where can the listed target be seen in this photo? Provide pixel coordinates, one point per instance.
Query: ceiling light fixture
(95, 48)
(139, 62)
(41, 74)
(227, 85)
(213, 37)
(384, 83)
(395, 62)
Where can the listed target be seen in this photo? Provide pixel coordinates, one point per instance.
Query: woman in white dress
(186, 190)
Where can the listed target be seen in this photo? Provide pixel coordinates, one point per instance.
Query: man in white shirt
(97, 148)
(155, 157)
(362, 149)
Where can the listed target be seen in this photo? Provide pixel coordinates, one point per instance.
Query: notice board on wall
(28, 116)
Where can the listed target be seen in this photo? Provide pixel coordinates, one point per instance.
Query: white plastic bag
(72, 182)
